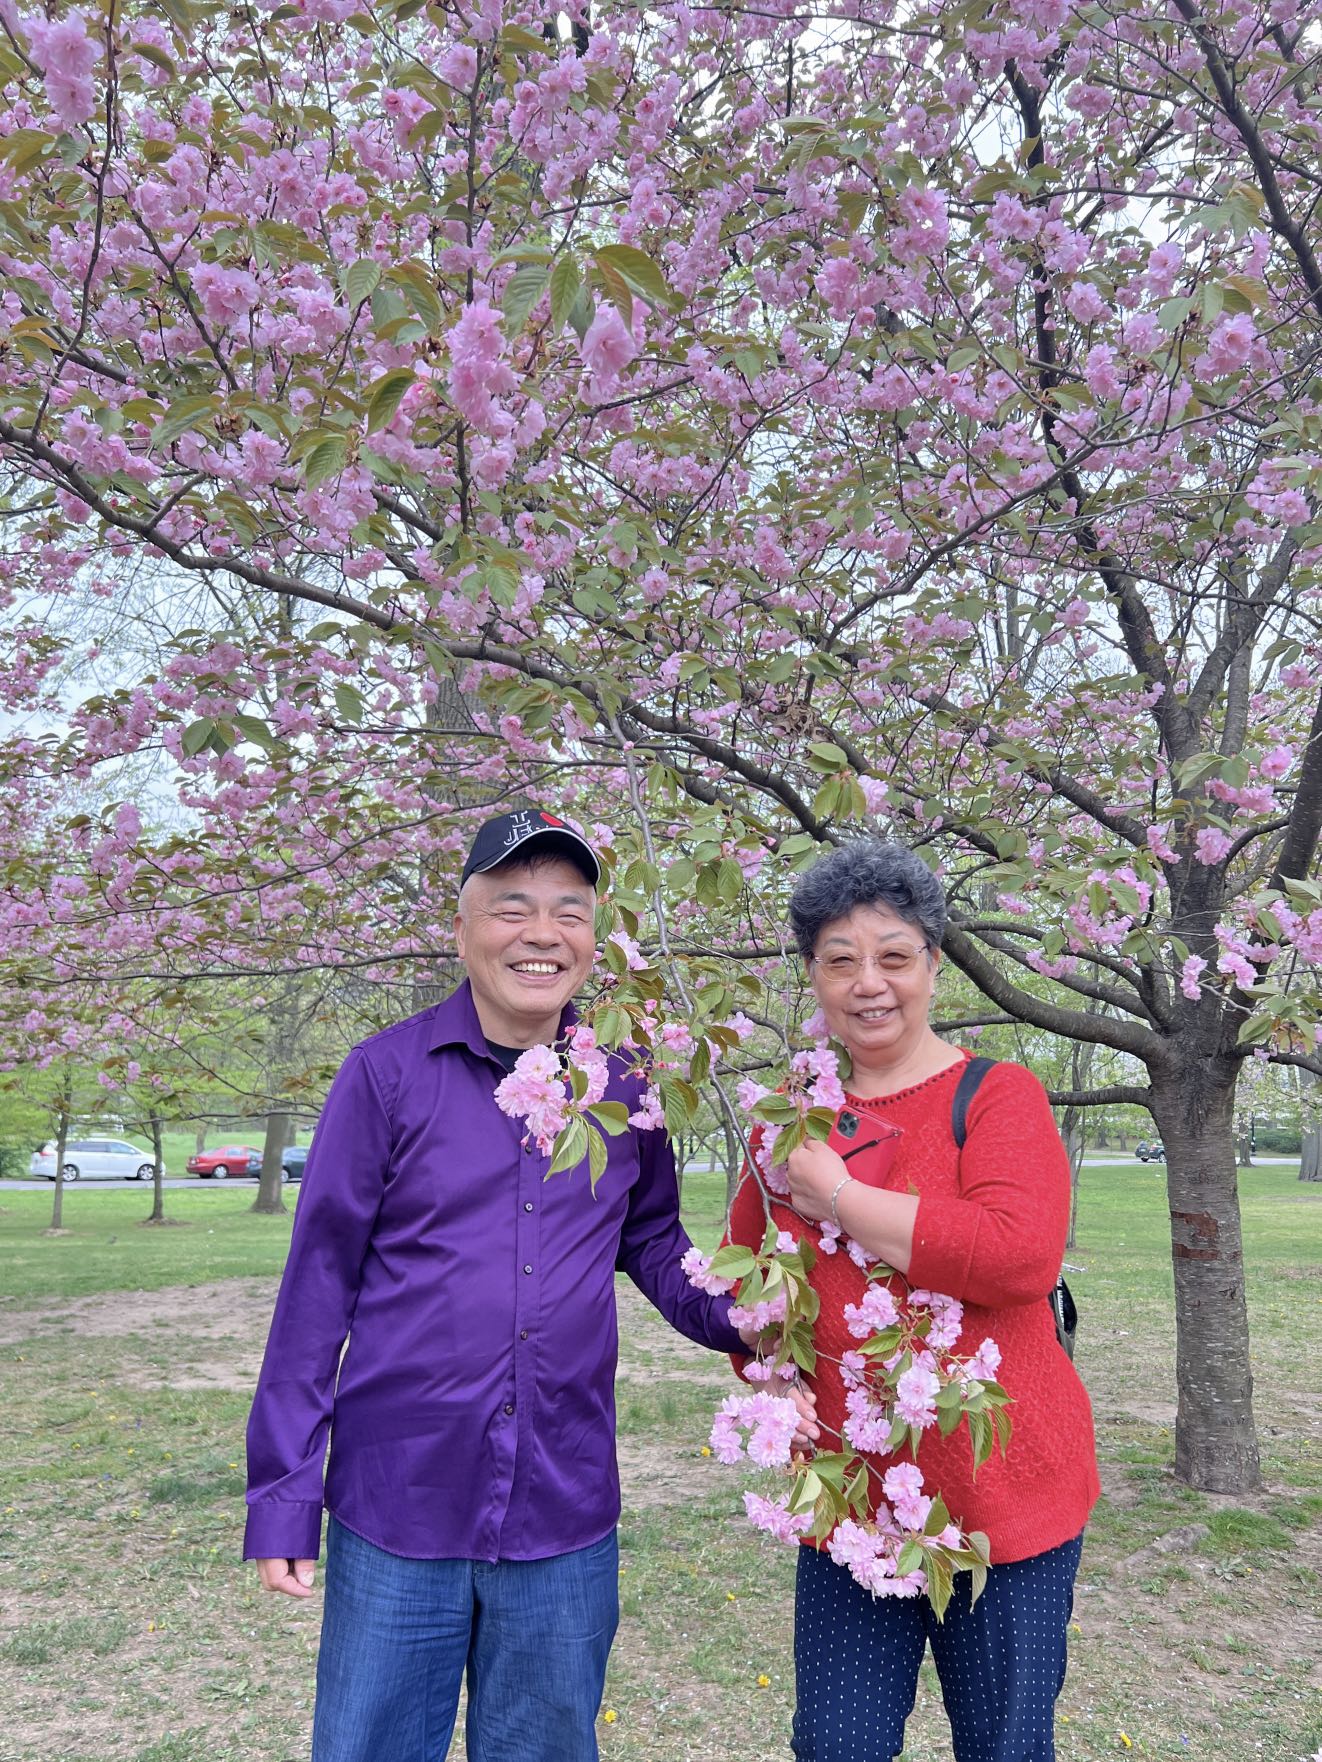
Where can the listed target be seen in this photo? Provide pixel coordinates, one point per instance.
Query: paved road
(88, 1186)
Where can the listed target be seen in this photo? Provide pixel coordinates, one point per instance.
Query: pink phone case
(867, 1146)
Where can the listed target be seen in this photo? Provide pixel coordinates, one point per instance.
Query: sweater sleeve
(999, 1242)
(291, 1411)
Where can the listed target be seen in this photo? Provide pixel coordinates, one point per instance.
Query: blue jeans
(1001, 1663)
(397, 1636)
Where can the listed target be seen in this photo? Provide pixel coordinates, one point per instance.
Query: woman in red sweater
(986, 1225)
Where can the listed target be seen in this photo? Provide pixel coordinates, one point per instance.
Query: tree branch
(1113, 1093)
(1073, 1024)
(1247, 129)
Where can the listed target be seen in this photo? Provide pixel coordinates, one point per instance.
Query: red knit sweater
(990, 1230)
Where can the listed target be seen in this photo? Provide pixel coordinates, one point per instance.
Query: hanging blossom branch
(904, 1377)
(560, 1091)
(894, 1537)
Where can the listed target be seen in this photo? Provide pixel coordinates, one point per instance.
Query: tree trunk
(1074, 1131)
(1310, 1150)
(201, 1141)
(1216, 1446)
(157, 1173)
(270, 1196)
(734, 1159)
(683, 1150)
(61, 1140)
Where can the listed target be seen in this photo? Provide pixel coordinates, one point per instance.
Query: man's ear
(459, 934)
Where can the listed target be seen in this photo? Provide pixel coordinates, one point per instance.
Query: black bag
(1063, 1310)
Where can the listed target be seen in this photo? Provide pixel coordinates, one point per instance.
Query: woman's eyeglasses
(892, 962)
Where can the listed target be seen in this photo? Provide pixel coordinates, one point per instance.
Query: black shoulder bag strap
(1063, 1310)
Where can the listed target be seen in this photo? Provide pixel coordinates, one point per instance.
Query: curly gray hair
(867, 872)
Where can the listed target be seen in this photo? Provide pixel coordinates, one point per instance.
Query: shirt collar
(454, 1023)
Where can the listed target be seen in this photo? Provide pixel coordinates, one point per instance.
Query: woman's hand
(807, 1432)
(814, 1172)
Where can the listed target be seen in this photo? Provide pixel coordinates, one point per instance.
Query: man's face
(527, 937)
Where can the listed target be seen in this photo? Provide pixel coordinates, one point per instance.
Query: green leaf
(419, 290)
(803, 1352)
(349, 703)
(361, 280)
(911, 1558)
(255, 730)
(566, 283)
(597, 1157)
(385, 395)
(612, 1116)
(706, 887)
(582, 312)
(826, 756)
(157, 57)
(940, 1583)
(807, 1490)
(570, 1147)
(25, 147)
(729, 880)
(196, 736)
(700, 1063)
(617, 290)
(776, 1110)
(638, 269)
(183, 415)
(732, 1262)
(514, 37)
(522, 292)
(326, 459)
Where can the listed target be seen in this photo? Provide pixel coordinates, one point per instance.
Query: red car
(230, 1159)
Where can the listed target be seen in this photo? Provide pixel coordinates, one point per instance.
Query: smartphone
(865, 1145)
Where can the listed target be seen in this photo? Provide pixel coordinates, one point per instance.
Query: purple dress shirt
(473, 1416)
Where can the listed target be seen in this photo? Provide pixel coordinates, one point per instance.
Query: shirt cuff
(727, 1337)
(283, 1529)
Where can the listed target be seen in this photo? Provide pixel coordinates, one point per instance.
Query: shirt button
(509, 1407)
(527, 1205)
(523, 1333)
(527, 1269)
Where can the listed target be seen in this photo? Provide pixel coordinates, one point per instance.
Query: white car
(95, 1159)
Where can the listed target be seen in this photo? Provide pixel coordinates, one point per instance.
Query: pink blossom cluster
(770, 1421)
(768, 1312)
(535, 1092)
(696, 1266)
(774, 1517)
(67, 53)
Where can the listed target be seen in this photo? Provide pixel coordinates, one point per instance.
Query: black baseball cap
(525, 830)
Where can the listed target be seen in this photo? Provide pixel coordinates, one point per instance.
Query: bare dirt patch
(215, 1332)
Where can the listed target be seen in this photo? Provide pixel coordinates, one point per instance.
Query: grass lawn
(129, 1632)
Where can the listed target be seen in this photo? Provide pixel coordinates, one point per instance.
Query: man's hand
(814, 1172)
(293, 1577)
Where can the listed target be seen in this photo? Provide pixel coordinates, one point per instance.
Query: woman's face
(878, 1014)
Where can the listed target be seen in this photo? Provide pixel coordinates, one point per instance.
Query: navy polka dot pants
(1001, 1663)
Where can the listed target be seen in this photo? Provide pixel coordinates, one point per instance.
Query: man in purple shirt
(472, 1486)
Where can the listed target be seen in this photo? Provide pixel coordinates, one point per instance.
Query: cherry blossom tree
(784, 422)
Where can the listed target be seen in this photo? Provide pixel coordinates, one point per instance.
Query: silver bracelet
(835, 1215)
